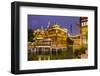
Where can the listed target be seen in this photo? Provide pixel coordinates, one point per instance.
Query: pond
(51, 55)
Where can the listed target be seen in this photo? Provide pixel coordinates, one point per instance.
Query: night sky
(68, 22)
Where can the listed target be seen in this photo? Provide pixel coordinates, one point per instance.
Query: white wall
(5, 27)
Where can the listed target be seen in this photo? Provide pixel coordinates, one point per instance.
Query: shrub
(78, 52)
(82, 50)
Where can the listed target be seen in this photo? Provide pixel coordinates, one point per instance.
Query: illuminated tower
(84, 30)
(48, 24)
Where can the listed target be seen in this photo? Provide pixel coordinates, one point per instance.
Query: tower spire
(48, 24)
(42, 27)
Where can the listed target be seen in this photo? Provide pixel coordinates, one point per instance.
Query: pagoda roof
(58, 27)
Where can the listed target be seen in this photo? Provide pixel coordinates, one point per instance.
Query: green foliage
(79, 51)
(82, 50)
(30, 35)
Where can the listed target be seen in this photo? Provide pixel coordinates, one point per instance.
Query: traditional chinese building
(80, 40)
(55, 38)
(52, 38)
(76, 41)
(84, 30)
(58, 35)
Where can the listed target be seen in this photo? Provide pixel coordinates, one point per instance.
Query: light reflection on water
(51, 55)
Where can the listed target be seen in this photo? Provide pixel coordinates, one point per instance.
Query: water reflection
(50, 54)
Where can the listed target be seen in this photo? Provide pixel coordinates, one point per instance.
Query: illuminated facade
(58, 36)
(80, 40)
(76, 41)
(51, 39)
(84, 31)
(55, 38)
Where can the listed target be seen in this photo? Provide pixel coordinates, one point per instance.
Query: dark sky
(68, 22)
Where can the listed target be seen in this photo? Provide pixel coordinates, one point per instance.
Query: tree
(30, 35)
